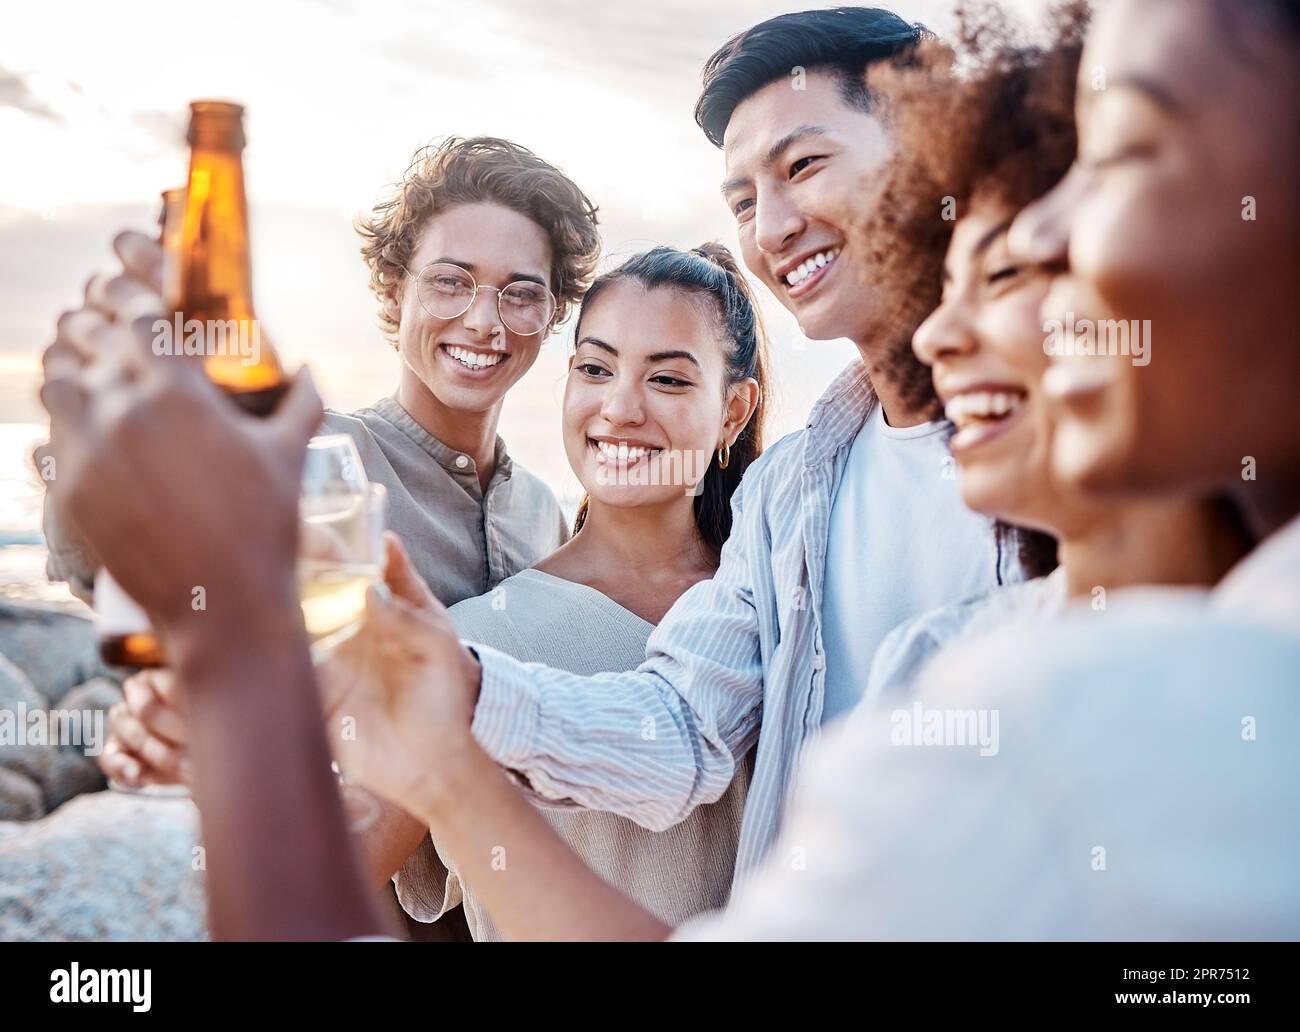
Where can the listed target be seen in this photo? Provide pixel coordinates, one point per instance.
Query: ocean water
(22, 547)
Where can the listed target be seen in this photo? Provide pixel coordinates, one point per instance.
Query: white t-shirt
(910, 646)
(901, 543)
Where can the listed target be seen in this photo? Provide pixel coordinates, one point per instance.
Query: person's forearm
(679, 741)
(388, 840)
(280, 862)
(527, 877)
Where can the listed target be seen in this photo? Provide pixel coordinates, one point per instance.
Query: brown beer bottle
(207, 284)
(215, 280)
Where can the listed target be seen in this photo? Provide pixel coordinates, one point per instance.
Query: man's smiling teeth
(965, 409)
(818, 261)
(622, 453)
(474, 359)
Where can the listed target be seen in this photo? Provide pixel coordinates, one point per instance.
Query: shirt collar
(454, 462)
(839, 414)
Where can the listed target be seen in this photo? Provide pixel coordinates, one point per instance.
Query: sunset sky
(92, 116)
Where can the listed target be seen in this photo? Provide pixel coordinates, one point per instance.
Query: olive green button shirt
(463, 540)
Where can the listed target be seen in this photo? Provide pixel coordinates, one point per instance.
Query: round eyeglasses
(447, 291)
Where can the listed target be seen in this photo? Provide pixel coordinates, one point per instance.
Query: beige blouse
(676, 873)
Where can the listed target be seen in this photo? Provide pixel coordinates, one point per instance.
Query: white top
(907, 648)
(1144, 785)
(676, 873)
(904, 544)
(1265, 586)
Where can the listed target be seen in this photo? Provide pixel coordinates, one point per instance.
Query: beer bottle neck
(216, 274)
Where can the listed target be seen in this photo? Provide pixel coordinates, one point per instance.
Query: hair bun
(718, 254)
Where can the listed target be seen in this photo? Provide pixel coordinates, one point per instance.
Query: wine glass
(340, 547)
(340, 554)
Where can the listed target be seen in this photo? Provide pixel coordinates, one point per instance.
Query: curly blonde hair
(456, 170)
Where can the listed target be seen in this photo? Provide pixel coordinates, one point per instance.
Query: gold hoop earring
(724, 455)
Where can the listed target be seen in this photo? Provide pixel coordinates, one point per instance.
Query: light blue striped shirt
(739, 659)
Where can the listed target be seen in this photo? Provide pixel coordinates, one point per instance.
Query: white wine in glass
(333, 599)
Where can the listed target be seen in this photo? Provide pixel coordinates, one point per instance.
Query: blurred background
(339, 94)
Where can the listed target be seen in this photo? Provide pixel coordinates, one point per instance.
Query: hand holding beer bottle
(207, 287)
(199, 275)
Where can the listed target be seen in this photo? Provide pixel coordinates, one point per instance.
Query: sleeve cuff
(507, 712)
(426, 888)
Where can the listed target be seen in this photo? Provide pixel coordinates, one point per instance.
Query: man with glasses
(447, 291)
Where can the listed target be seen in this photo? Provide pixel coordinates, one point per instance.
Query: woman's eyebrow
(663, 356)
(1152, 90)
(658, 356)
(588, 339)
(1138, 82)
(987, 239)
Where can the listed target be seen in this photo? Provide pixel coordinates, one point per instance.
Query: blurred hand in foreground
(193, 507)
(148, 742)
(399, 694)
(134, 288)
(190, 503)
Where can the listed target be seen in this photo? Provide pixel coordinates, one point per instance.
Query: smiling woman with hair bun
(662, 416)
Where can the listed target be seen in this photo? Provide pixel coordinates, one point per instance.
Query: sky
(93, 107)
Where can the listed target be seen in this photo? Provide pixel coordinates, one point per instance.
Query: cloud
(165, 128)
(629, 46)
(15, 93)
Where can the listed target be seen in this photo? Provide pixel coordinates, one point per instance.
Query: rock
(16, 687)
(57, 651)
(99, 693)
(70, 769)
(31, 763)
(104, 866)
(70, 774)
(60, 770)
(20, 800)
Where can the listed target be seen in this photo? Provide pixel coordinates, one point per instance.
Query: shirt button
(818, 661)
(462, 461)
